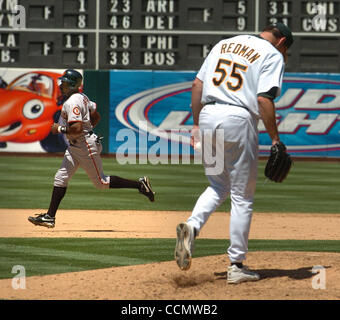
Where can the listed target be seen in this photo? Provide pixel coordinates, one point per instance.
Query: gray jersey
(77, 108)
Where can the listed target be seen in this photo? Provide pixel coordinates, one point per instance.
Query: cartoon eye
(33, 109)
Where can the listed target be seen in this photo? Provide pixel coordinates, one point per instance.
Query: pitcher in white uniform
(234, 88)
(78, 117)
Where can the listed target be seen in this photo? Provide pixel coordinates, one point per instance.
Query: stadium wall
(148, 112)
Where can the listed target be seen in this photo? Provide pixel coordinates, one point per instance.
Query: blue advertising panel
(150, 114)
(308, 115)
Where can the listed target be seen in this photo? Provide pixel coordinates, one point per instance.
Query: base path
(162, 224)
(284, 275)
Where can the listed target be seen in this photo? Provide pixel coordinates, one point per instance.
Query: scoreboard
(159, 34)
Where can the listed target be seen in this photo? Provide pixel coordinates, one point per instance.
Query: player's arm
(196, 95)
(197, 88)
(75, 127)
(196, 107)
(75, 124)
(267, 112)
(269, 85)
(94, 117)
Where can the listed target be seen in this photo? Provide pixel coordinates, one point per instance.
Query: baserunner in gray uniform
(79, 115)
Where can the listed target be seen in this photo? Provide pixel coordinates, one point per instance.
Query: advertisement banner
(153, 109)
(150, 114)
(308, 115)
(30, 101)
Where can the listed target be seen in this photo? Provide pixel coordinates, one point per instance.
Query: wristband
(62, 129)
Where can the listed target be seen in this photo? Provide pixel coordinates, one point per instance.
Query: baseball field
(116, 245)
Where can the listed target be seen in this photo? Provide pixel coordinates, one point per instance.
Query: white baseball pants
(233, 130)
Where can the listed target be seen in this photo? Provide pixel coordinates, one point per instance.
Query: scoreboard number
(159, 34)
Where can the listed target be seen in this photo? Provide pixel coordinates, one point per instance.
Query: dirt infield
(284, 275)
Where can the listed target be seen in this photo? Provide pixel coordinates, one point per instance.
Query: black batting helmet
(73, 78)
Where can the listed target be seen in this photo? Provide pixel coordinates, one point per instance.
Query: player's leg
(214, 165)
(214, 195)
(92, 163)
(243, 173)
(240, 160)
(242, 197)
(64, 174)
(211, 198)
(66, 171)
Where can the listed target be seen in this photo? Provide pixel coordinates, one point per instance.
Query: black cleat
(43, 219)
(145, 188)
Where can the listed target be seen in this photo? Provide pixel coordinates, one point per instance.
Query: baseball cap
(285, 31)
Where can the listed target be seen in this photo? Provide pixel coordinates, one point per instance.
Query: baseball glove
(278, 164)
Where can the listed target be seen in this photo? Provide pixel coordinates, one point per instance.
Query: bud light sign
(308, 115)
(150, 112)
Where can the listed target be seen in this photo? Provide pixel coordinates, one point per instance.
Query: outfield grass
(59, 255)
(26, 182)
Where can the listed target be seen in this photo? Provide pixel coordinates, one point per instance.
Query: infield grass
(26, 182)
(58, 255)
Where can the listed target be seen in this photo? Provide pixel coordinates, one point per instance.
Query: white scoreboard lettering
(160, 34)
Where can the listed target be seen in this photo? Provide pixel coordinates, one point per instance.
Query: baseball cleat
(238, 275)
(145, 188)
(43, 219)
(184, 245)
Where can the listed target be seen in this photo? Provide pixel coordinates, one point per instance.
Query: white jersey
(77, 108)
(238, 69)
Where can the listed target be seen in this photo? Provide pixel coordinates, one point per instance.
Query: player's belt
(228, 104)
(211, 102)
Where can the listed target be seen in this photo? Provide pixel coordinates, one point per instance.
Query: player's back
(236, 71)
